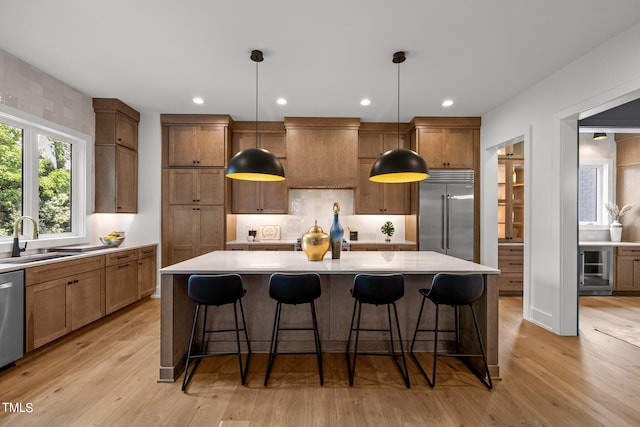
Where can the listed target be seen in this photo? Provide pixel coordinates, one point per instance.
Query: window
(595, 187)
(42, 175)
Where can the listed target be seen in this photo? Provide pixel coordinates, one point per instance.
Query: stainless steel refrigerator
(446, 213)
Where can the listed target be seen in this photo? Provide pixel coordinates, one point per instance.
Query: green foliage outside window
(54, 182)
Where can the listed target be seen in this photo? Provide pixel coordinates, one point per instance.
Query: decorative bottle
(336, 233)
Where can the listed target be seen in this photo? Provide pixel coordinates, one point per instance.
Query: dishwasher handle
(6, 285)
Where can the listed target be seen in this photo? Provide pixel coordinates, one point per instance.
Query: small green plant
(388, 229)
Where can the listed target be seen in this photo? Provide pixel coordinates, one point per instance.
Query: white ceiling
(324, 56)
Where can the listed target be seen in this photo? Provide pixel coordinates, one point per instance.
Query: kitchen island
(334, 306)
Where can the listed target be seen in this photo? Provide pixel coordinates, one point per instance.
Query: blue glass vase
(336, 233)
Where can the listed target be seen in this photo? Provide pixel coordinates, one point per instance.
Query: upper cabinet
(322, 152)
(448, 142)
(116, 156)
(248, 197)
(197, 140)
(374, 139)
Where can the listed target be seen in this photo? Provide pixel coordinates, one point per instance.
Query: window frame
(33, 126)
(604, 193)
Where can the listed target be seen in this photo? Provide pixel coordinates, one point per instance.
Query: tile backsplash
(307, 206)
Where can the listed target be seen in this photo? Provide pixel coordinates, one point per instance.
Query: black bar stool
(378, 290)
(294, 288)
(216, 290)
(454, 290)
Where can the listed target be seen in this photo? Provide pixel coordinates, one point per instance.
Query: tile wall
(307, 206)
(28, 89)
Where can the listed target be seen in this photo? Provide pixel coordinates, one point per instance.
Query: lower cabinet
(59, 306)
(510, 263)
(57, 302)
(121, 282)
(146, 271)
(627, 279)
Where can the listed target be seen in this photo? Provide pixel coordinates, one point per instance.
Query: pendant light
(399, 165)
(255, 164)
(599, 136)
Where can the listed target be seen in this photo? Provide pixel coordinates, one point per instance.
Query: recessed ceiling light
(281, 101)
(198, 100)
(447, 103)
(365, 102)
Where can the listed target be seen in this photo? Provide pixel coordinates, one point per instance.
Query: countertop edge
(5, 268)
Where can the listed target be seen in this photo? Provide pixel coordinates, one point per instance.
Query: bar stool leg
(488, 382)
(352, 366)
(243, 370)
(316, 334)
(432, 382)
(404, 372)
(187, 376)
(274, 342)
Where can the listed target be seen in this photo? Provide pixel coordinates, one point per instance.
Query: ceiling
(322, 56)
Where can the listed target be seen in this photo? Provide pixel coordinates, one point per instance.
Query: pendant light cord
(257, 104)
(398, 105)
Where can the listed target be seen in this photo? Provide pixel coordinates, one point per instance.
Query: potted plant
(615, 228)
(388, 230)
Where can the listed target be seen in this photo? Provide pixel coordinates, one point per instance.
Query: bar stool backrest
(378, 288)
(294, 288)
(456, 289)
(215, 289)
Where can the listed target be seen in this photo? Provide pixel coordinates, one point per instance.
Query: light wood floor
(106, 376)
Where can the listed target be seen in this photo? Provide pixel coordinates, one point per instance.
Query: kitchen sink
(34, 258)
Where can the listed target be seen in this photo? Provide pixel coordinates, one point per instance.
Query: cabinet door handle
(123, 266)
(123, 257)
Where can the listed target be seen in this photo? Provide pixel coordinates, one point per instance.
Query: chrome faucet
(15, 252)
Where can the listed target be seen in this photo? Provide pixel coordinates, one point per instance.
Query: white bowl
(112, 243)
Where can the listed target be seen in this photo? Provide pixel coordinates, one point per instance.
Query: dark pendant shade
(255, 164)
(398, 166)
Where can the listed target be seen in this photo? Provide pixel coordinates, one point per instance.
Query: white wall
(546, 116)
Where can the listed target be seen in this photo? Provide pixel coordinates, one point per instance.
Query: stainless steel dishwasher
(11, 317)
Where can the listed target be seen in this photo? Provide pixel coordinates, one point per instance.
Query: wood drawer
(632, 251)
(510, 251)
(510, 283)
(121, 257)
(510, 265)
(147, 252)
(60, 269)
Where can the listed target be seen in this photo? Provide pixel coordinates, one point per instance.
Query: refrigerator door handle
(444, 225)
(448, 229)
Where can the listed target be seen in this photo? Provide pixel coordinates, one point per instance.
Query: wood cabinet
(248, 197)
(116, 156)
(374, 139)
(510, 199)
(194, 230)
(121, 280)
(448, 142)
(447, 148)
(57, 302)
(200, 186)
(372, 143)
(197, 145)
(147, 271)
(322, 152)
(194, 188)
(510, 263)
(377, 198)
(627, 276)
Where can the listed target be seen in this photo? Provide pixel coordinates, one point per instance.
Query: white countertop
(267, 262)
(5, 267)
(606, 243)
